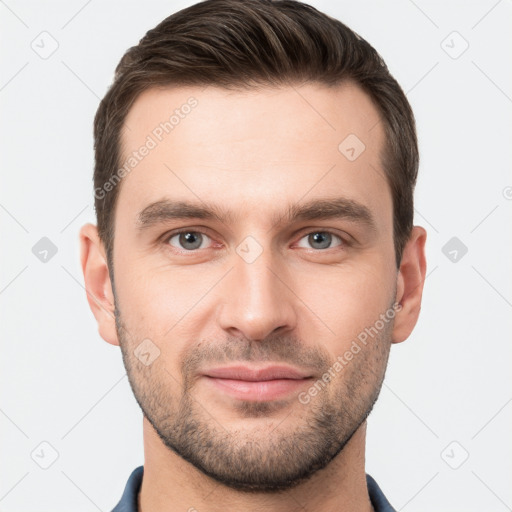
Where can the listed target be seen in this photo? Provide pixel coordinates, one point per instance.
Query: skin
(254, 153)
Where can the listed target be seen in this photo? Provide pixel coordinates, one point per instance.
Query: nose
(257, 299)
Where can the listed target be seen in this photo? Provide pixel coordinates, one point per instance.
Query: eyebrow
(317, 209)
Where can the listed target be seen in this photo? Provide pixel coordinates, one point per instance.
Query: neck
(171, 484)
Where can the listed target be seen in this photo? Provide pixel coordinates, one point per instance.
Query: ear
(411, 276)
(97, 282)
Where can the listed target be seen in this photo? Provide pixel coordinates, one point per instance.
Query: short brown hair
(239, 44)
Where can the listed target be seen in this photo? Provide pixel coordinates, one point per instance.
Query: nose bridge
(256, 301)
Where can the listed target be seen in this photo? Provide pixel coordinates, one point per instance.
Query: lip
(256, 384)
(253, 374)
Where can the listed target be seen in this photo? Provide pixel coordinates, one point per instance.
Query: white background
(451, 381)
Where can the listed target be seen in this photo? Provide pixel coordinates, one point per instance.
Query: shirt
(128, 501)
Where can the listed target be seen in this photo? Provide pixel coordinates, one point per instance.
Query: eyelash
(344, 243)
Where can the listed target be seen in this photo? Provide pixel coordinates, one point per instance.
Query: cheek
(333, 303)
(159, 300)
(345, 301)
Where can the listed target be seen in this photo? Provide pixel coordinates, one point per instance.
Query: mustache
(274, 348)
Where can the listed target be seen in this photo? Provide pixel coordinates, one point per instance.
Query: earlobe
(97, 282)
(410, 280)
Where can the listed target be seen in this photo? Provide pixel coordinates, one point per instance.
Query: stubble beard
(297, 441)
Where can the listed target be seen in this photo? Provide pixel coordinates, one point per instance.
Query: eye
(321, 240)
(188, 240)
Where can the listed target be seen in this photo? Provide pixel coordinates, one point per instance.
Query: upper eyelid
(167, 236)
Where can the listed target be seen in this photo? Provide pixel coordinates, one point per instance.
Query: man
(255, 255)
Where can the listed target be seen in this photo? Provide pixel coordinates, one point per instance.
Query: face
(255, 276)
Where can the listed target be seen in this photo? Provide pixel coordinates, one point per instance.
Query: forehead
(253, 148)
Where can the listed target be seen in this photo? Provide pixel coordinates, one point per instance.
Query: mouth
(257, 383)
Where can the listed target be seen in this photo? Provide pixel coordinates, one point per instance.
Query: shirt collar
(128, 501)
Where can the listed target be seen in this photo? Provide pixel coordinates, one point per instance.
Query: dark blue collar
(128, 501)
